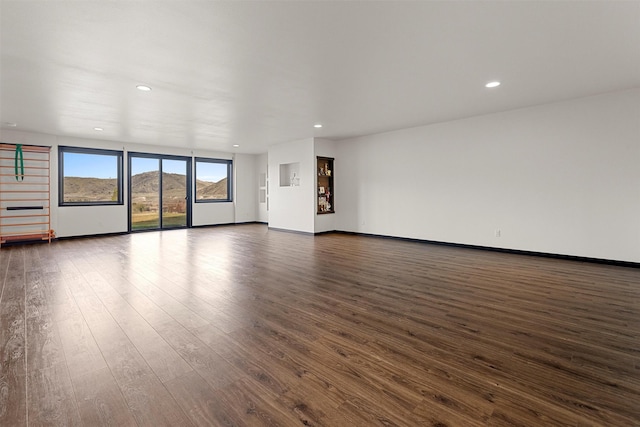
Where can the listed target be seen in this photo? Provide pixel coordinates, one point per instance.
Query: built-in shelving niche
(325, 195)
(290, 175)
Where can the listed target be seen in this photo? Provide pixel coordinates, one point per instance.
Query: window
(213, 180)
(89, 177)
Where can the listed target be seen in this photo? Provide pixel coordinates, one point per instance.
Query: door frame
(160, 157)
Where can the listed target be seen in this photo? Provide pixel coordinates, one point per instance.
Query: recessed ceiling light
(492, 84)
(11, 124)
(236, 145)
(317, 126)
(143, 88)
(98, 129)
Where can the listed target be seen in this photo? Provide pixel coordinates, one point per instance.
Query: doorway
(159, 192)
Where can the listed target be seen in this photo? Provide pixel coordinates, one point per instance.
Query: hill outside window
(88, 177)
(213, 180)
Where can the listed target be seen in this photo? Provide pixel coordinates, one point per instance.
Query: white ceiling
(259, 73)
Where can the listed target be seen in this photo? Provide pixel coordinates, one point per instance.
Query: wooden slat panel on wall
(25, 199)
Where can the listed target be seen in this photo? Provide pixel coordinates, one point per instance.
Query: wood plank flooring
(244, 326)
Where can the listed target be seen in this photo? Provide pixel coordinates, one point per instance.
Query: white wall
(562, 178)
(326, 148)
(262, 162)
(212, 213)
(245, 188)
(88, 220)
(292, 208)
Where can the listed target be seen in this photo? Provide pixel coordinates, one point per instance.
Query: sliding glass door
(144, 193)
(175, 192)
(159, 192)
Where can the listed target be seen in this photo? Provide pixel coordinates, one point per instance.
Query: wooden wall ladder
(25, 193)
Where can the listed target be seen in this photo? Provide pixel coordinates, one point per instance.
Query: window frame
(62, 149)
(229, 163)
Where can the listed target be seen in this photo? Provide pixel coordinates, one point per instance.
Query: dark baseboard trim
(88, 236)
(503, 250)
(227, 224)
(24, 242)
(379, 236)
(122, 233)
(284, 230)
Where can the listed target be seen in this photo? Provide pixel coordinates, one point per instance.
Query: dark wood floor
(235, 326)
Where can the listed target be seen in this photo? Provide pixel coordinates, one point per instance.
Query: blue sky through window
(85, 165)
(211, 172)
(144, 164)
(174, 166)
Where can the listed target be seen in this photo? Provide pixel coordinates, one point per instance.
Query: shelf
(325, 203)
(290, 175)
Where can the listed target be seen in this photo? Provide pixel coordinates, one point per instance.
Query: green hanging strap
(19, 159)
